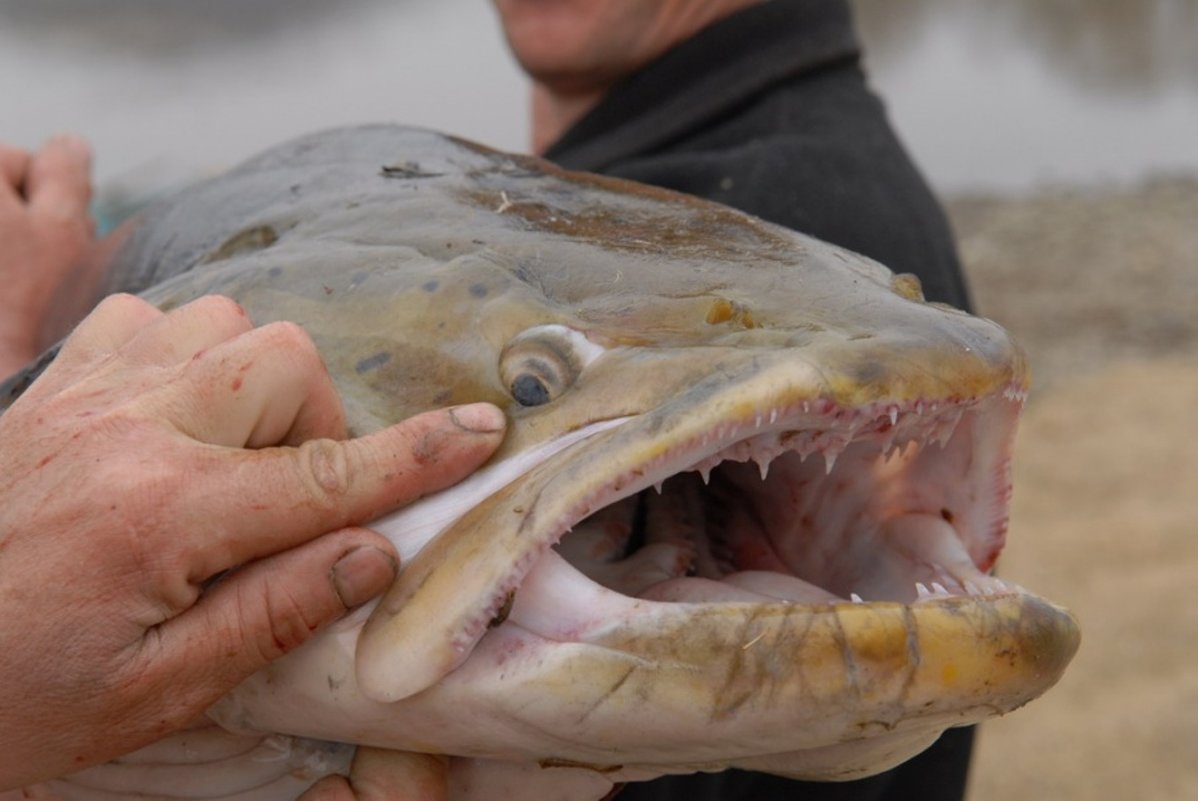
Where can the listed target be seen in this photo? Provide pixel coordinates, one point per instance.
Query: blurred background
(1062, 136)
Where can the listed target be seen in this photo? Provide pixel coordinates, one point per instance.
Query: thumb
(379, 775)
(278, 497)
(58, 183)
(270, 607)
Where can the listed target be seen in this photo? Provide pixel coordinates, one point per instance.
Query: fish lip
(455, 579)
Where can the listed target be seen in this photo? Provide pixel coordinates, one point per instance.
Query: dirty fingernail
(480, 418)
(362, 574)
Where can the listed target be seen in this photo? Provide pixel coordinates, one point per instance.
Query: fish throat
(814, 503)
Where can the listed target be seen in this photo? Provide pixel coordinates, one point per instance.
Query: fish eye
(543, 362)
(530, 390)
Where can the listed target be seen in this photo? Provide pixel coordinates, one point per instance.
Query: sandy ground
(1101, 288)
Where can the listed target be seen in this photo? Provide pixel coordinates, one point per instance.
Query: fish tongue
(782, 587)
(750, 586)
(558, 602)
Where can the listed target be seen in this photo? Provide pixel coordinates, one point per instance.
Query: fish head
(749, 501)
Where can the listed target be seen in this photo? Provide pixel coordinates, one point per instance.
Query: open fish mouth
(811, 504)
(765, 546)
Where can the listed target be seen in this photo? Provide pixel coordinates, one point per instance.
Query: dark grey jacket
(768, 111)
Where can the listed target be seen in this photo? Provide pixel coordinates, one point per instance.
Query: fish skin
(417, 263)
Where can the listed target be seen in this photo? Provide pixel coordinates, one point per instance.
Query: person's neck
(553, 113)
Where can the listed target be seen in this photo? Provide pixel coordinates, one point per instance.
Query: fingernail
(478, 418)
(362, 574)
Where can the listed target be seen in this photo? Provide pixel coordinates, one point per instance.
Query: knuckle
(225, 311)
(326, 472)
(292, 342)
(290, 336)
(122, 304)
(288, 625)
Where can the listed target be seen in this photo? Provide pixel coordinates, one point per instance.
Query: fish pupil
(529, 390)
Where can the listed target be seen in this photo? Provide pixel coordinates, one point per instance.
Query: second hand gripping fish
(745, 514)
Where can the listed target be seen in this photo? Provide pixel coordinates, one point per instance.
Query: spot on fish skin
(408, 169)
(236, 385)
(720, 311)
(869, 373)
(275, 272)
(723, 310)
(478, 290)
(431, 286)
(259, 237)
(906, 285)
(371, 362)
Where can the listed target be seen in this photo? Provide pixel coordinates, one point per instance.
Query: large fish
(745, 514)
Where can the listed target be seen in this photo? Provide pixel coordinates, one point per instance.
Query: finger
(277, 497)
(14, 164)
(379, 775)
(58, 184)
(330, 788)
(266, 609)
(266, 387)
(75, 300)
(113, 322)
(182, 333)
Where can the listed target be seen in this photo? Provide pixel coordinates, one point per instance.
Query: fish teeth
(657, 486)
(763, 466)
(941, 435)
(705, 474)
(773, 416)
(972, 588)
(855, 598)
(948, 428)
(921, 591)
(938, 588)
(893, 416)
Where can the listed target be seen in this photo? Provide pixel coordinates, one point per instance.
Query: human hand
(378, 775)
(126, 490)
(46, 238)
